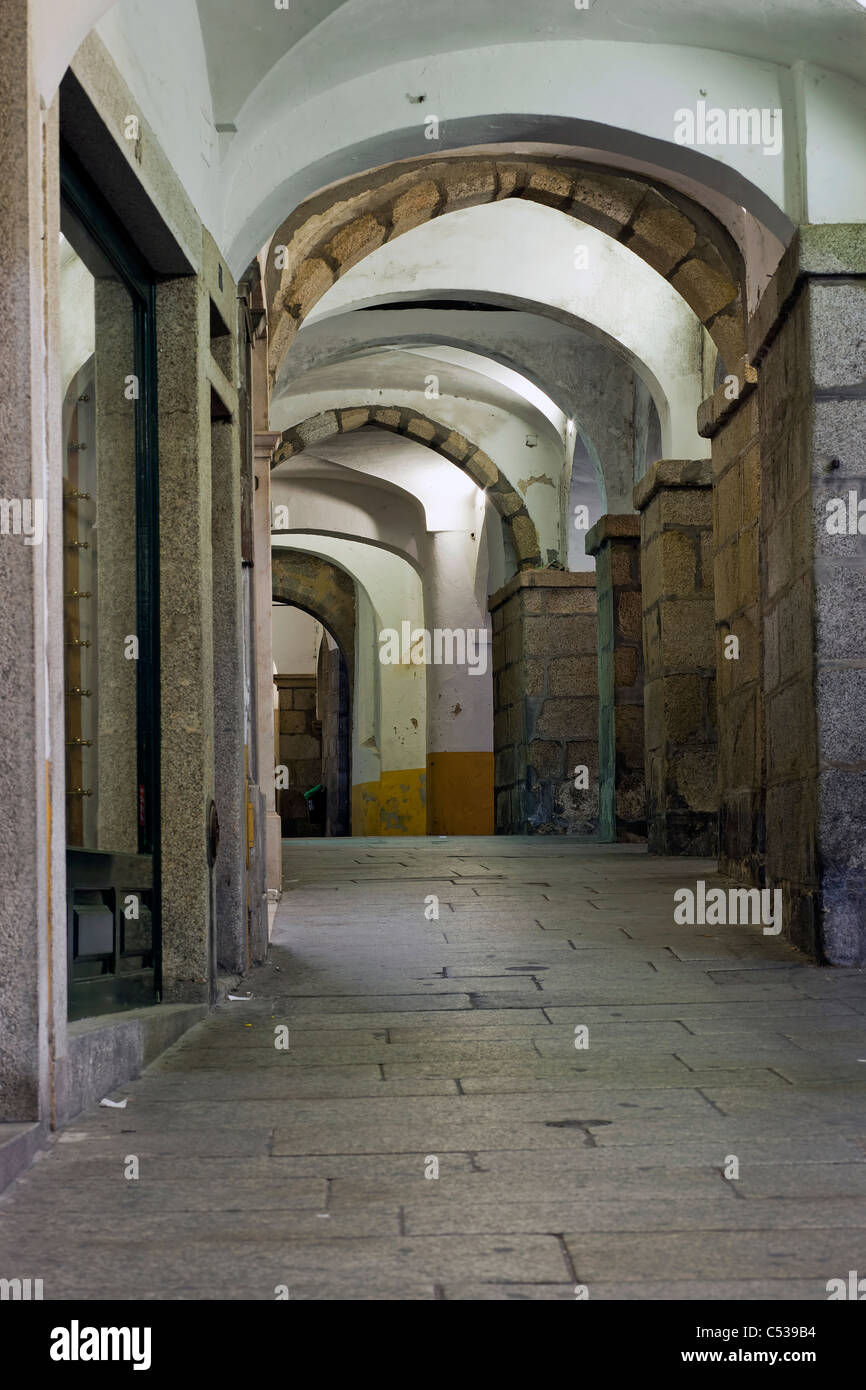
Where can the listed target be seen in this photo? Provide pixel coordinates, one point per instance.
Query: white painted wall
(494, 372)
(408, 489)
(833, 143)
(77, 314)
(366, 757)
(634, 89)
(459, 699)
(336, 501)
(318, 93)
(295, 637)
(158, 50)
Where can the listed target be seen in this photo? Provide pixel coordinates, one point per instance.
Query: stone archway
(338, 228)
(327, 593)
(774, 441)
(321, 589)
(454, 447)
(333, 231)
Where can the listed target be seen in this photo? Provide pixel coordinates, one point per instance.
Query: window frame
(84, 202)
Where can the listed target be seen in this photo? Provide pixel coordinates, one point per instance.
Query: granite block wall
(545, 701)
(615, 543)
(675, 503)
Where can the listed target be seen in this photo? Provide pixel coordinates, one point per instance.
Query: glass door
(107, 351)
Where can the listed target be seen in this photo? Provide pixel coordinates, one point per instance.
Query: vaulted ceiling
(321, 43)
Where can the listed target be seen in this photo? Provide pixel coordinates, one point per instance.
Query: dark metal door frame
(94, 872)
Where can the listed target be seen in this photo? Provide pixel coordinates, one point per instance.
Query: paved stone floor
(413, 1039)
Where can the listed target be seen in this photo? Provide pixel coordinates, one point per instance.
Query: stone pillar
(237, 894)
(545, 703)
(186, 625)
(230, 870)
(32, 827)
(739, 707)
(795, 428)
(675, 503)
(265, 689)
(801, 401)
(812, 402)
(264, 443)
(615, 543)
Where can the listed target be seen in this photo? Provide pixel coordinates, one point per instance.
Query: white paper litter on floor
(115, 1104)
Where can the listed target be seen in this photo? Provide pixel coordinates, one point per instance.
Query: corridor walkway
(415, 1039)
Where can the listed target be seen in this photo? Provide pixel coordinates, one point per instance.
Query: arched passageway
(314, 702)
(436, 436)
(433, 629)
(313, 727)
(678, 240)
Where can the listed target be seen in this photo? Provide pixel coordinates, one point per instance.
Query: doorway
(313, 726)
(110, 568)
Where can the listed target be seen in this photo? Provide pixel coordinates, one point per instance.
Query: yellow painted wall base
(395, 805)
(460, 793)
(453, 797)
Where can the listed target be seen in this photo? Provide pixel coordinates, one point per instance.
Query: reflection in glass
(99, 568)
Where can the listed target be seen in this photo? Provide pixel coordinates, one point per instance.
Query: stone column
(675, 503)
(228, 700)
(32, 913)
(801, 402)
(812, 403)
(545, 703)
(186, 623)
(615, 543)
(739, 707)
(265, 689)
(264, 442)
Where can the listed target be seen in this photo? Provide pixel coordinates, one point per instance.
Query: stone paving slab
(324, 1083)
(818, 1254)
(587, 1131)
(454, 1040)
(717, 1015)
(650, 1077)
(813, 1182)
(690, 1149)
(522, 1293)
(688, 1213)
(376, 1003)
(428, 1023)
(705, 1291)
(112, 1192)
(349, 1267)
(451, 989)
(268, 1223)
(437, 1111)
